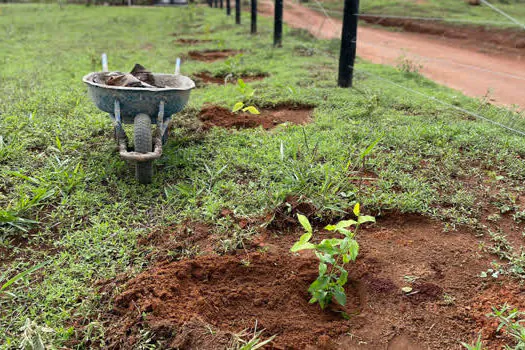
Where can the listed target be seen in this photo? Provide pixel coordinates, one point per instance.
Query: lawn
(69, 202)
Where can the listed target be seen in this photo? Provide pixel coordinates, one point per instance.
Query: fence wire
(478, 116)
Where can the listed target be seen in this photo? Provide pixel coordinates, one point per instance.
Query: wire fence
(511, 21)
(507, 120)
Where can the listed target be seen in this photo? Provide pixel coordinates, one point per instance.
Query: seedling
(333, 254)
(240, 106)
(247, 93)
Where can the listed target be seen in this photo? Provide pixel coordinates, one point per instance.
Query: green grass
(67, 199)
(454, 11)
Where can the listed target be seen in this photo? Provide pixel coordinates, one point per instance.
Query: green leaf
(305, 223)
(345, 224)
(241, 83)
(21, 275)
(357, 210)
(322, 269)
(353, 249)
(326, 258)
(237, 106)
(319, 284)
(343, 278)
(369, 148)
(340, 295)
(366, 218)
(301, 246)
(329, 246)
(330, 227)
(251, 109)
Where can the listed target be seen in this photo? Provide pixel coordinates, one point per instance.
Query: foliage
(333, 254)
(247, 93)
(478, 345)
(511, 320)
(34, 336)
(245, 340)
(4, 287)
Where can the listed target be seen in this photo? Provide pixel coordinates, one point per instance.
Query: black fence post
(254, 16)
(278, 24)
(348, 43)
(238, 11)
(221, 5)
(228, 8)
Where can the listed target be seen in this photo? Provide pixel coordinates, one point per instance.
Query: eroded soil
(512, 41)
(212, 55)
(212, 116)
(200, 302)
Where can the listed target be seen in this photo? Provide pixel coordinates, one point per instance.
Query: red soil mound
(269, 118)
(212, 55)
(201, 302)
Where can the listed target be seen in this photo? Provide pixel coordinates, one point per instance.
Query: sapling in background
(333, 254)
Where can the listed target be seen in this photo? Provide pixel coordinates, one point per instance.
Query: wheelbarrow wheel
(143, 144)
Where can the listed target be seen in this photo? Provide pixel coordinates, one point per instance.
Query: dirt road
(443, 60)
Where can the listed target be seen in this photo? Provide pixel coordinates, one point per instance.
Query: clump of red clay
(212, 55)
(208, 78)
(269, 118)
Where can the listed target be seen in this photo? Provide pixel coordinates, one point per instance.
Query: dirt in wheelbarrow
(203, 302)
(212, 55)
(268, 118)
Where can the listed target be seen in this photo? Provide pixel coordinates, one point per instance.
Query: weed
(478, 345)
(511, 320)
(34, 336)
(245, 340)
(406, 65)
(333, 254)
(4, 287)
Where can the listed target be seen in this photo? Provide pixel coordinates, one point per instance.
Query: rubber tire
(143, 144)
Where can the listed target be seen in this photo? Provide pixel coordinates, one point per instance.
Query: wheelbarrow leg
(119, 133)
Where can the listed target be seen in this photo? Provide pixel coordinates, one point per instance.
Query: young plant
(239, 106)
(333, 254)
(247, 93)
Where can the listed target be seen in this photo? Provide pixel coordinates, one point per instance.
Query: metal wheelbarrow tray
(141, 107)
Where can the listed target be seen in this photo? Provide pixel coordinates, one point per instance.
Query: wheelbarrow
(141, 107)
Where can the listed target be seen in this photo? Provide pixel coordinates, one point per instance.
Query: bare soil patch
(269, 118)
(484, 36)
(212, 55)
(203, 78)
(200, 302)
(191, 41)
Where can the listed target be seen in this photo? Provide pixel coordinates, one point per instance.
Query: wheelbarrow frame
(125, 104)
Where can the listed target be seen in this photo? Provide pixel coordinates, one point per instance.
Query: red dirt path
(445, 60)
